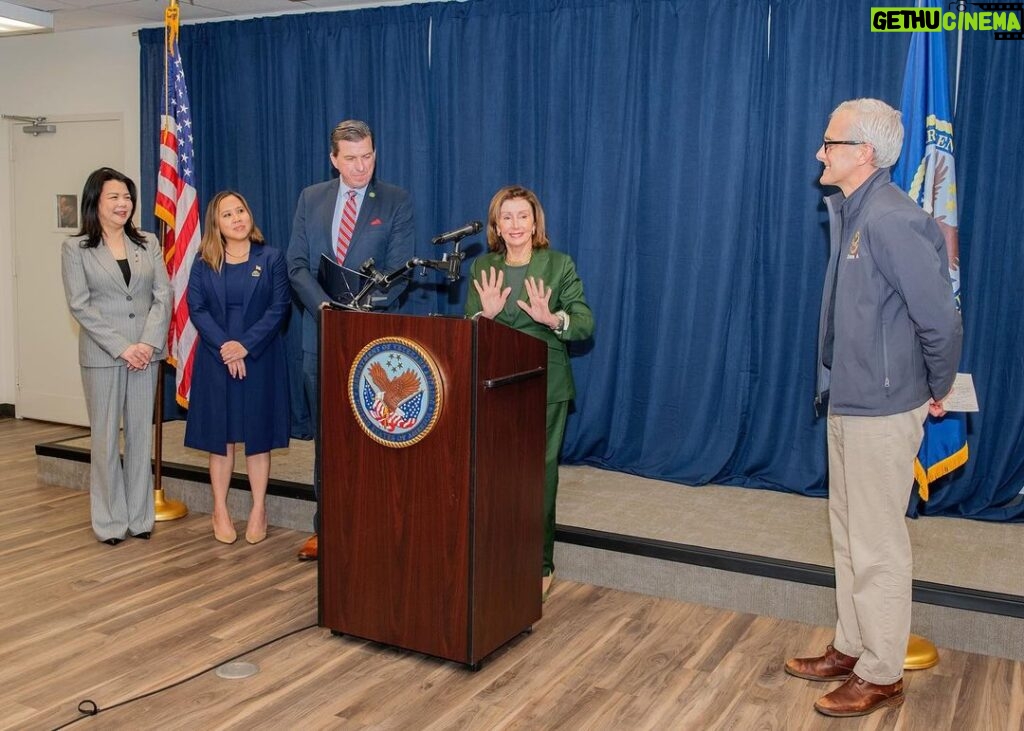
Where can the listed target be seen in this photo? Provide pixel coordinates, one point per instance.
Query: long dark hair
(91, 203)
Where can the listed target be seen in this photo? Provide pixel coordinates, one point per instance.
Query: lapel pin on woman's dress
(257, 271)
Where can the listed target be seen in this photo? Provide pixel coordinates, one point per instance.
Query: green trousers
(555, 430)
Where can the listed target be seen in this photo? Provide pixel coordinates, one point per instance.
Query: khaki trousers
(871, 474)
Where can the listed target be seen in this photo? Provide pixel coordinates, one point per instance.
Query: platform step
(955, 617)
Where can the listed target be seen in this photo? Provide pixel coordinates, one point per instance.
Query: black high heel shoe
(112, 541)
(144, 535)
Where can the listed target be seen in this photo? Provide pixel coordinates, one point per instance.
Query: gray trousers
(871, 474)
(121, 497)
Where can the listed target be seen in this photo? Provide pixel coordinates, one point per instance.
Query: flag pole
(163, 508)
(921, 652)
(924, 176)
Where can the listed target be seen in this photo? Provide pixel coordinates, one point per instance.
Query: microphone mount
(450, 264)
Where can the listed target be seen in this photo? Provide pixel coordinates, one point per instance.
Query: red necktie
(346, 227)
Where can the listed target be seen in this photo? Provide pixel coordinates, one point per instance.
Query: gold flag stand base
(167, 509)
(921, 654)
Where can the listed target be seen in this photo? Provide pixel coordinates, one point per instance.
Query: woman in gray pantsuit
(117, 289)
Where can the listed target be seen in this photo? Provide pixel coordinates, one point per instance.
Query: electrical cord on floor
(89, 708)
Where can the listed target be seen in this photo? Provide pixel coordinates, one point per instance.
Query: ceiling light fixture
(14, 19)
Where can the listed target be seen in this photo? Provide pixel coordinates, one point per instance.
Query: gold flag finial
(171, 21)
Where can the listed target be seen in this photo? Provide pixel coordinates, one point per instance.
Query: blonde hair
(510, 192)
(211, 248)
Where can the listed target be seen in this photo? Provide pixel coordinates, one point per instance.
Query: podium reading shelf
(432, 481)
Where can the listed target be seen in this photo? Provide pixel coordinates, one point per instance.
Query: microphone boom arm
(450, 263)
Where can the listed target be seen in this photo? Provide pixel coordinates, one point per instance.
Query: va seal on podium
(395, 391)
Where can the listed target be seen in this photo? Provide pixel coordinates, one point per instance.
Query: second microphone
(460, 233)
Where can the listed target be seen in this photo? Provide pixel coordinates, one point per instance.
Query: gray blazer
(114, 315)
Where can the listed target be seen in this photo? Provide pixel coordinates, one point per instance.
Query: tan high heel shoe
(225, 537)
(255, 534)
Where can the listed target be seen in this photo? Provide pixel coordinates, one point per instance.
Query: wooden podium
(435, 545)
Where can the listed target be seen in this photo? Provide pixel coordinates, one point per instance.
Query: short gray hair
(351, 130)
(878, 124)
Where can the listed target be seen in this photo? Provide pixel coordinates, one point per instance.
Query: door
(46, 170)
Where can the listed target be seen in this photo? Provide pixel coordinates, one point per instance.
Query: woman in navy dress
(238, 298)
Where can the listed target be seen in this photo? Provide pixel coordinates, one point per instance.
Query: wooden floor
(81, 620)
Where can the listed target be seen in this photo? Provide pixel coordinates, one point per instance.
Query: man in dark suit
(349, 219)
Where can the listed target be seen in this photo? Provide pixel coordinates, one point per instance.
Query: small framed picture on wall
(67, 211)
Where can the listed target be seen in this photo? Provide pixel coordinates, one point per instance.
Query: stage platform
(755, 551)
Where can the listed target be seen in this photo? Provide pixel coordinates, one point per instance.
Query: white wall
(82, 72)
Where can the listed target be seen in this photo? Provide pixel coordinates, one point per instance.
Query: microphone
(460, 233)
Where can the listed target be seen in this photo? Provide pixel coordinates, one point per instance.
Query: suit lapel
(218, 285)
(140, 266)
(134, 266)
(107, 261)
(327, 205)
(367, 212)
(256, 263)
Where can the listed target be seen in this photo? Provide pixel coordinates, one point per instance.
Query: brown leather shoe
(858, 697)
(833, 665)
(308, 552)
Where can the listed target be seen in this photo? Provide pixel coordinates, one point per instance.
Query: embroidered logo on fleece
(854, 246)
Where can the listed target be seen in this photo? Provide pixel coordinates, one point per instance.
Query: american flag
(410, 408)
(927, 172)
(369, 395)
(178, 207)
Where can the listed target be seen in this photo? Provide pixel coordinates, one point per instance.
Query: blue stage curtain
(644, 147)
(672, 143)
(820, 55)
(990, 184)
(266, 94)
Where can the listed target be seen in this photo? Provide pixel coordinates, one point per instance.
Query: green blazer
(559, 273)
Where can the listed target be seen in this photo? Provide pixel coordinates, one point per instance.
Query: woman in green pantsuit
(548, 303)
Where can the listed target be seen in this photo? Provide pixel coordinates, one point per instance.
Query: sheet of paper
(963, 397)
